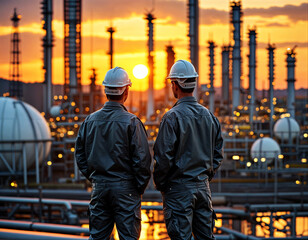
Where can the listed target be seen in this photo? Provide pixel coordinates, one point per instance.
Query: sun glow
(140, 71)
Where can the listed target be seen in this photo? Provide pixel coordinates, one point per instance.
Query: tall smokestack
(150, 108)
(252, 71)
(72, 47)
(236, 15)
(170, 62)
(271, 78)
(225, 55)
(111, 30)
(193, 34)
(291, 80)
(211, 75)
(47, 45)
(15, 86)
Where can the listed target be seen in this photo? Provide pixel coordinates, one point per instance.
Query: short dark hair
(115, 97)
(186, 90)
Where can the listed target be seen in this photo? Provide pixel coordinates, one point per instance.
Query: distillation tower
(111, 30)
(47, 46)
(193, 34)
(225, 72)
(150, 108)
(72, 47)
(211, 75)
(15, 86)
(291, 80)
(271, 78)
(170, 62)
(252, 72)
(236, 16)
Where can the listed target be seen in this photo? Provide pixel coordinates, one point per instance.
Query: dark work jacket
(112, 146)
(188, 146)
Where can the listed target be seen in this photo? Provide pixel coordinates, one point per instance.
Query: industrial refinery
(261, 189)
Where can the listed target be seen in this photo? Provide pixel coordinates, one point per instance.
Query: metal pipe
(193, 34)
(225, 55)
(278, 207)
(45, 227)
(28, 235)
(170, 62)
(252, 72)
(37, 164)
(111, 30)
(236, 14)
(66, 203)
(47, 45)
(271, 65)
(211, 75)
(237, 234)
(150, 109)
(291, 80)
(24, 158)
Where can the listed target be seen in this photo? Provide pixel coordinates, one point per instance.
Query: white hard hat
(115, 81)
(181, 71)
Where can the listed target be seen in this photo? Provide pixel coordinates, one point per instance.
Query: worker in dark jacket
(187, 153)
(112, 152)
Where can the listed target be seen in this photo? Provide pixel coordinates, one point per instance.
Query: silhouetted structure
(15, 84)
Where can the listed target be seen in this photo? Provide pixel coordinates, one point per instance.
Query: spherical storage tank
(21, 121)
(266, 148)
(55, 110)
(286, 128)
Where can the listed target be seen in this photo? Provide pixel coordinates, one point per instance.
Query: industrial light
(304, 160)
(73, 104)
(60, 155)
(72, 149)
(248, 164)
(280, 156)
(287, 166)
(236, 157)
(298, 182)
(263, 159)
(49, 163)
(75, 118)
(70, 133)
(255, 159)
(13, 184)
(305, 135)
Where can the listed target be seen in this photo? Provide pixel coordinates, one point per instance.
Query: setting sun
(140, 71)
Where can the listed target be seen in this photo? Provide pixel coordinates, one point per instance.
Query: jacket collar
(185, 99)
(114, 105)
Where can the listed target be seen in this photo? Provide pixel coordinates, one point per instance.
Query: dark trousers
(188, 211)
(115, 203)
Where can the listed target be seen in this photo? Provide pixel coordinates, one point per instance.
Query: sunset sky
(283, 22)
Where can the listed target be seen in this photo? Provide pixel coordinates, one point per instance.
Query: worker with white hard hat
(187, 153)
(112, 152)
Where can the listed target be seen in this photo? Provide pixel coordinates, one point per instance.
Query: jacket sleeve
(164, 150)
(80, 151)
(218, 146)
(141, 157)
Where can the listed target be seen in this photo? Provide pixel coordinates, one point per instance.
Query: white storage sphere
(55, 110)
(285, 128)
(21, 121)
(265, 148)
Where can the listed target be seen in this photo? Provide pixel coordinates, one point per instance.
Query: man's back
(108, 138)
(191, 132)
